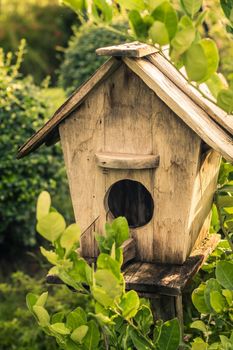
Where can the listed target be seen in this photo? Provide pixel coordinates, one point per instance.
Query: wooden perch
(127, 161)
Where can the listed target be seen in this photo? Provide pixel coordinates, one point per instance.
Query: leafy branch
(160, 23)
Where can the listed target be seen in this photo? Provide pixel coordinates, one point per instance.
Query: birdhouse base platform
(165, 284)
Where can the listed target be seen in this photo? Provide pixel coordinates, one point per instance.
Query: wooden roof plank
(133, 49)
(219, 115)
(68, 106)
(193, 115)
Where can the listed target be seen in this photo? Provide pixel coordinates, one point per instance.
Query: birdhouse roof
(210, 122)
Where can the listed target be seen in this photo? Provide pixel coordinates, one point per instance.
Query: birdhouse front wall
(123, 116)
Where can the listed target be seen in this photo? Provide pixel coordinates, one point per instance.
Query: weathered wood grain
(126, 161)
(133, 49)
(168, 279)
(194, 116)
(43, 135)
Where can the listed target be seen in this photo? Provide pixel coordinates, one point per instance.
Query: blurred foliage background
(58, 46)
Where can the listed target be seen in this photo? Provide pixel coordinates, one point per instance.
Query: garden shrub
(24, 109)
(80, 60)
(46, 29)
(17, 328)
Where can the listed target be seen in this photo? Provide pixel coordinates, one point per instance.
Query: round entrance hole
(130, 199)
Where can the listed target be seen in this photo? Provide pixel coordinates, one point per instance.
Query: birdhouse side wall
(202, 198)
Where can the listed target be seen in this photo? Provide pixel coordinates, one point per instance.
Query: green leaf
(201, 60)
(79, 333)
(183, 39)
(51, 256)
(191, 6)
(211, 285)
(81, 271)
(224, 274)
(102, 296)
(43, 205)
(106, 280)
(121, 229)
(42, 315)
(76, 5)
(42, 299)
(158, 33)
(76, 318)
(105, 8)
(60, 328)
(140, 342)
(144, 319)
(225, 100)
(58, 317)
(200, 325)
(228, 294)
(166, 14)
(227, 6)
(92, 338)
(138, 5)
(199, 344)
(51, 226)
(170, 335)
(225, 201)
(129, 304)
(31, 300)
(215, 84)
(70, 237)
(104, 261)
(199, 300)
(217, 301)
(138, 25)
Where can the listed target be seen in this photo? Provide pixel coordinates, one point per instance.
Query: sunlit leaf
(159, 34)
(224, 274)
(60, 328)
(105, 261)
(199, 300)
(70, 237)
(42, 315)
(170, 335)
(31, 300)
(225, 100)
(92, 338)
(215, 84)
(183, 39)
(138, 25)
(201, 60)
(51, 226)
(166, 14)
(43, 204)
(138, 5)
(217, 301)
(191, 6)
(200, 325)
(42, 299)
(76, 318)
(51, 256)
(129, 304)
(79, 333)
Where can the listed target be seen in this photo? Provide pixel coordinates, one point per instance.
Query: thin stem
(225, 232)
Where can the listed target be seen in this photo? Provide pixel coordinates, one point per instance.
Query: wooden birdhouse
(139, 141)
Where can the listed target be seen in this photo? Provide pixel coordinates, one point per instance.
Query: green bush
(24, 108)
(17, 328)
(80, 60)
(46, 29)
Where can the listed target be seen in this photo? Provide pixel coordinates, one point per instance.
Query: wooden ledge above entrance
(150, 279)
(127, 161)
